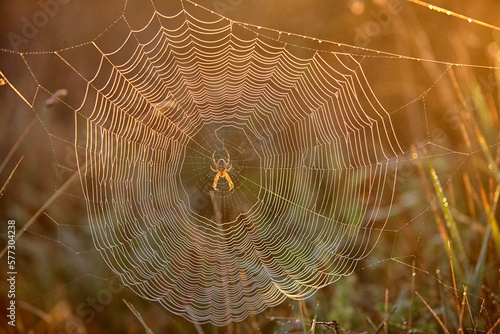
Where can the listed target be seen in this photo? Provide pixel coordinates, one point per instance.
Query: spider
(222, 167)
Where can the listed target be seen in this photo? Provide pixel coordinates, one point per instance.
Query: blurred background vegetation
(436, 266)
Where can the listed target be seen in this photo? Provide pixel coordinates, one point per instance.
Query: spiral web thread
(313, 157)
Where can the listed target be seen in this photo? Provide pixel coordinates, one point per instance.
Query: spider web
(314, 158)
(192, 87)
(309, 143)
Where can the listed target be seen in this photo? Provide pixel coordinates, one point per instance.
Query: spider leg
(228, 157)
(231, 185)
(228, 169)
(214, 170)
(216, 179)
(213, 159)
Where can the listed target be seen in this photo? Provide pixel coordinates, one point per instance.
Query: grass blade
(10, 176)
(433, 313)
(450, 222)
(138, 316)
(491, 217)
